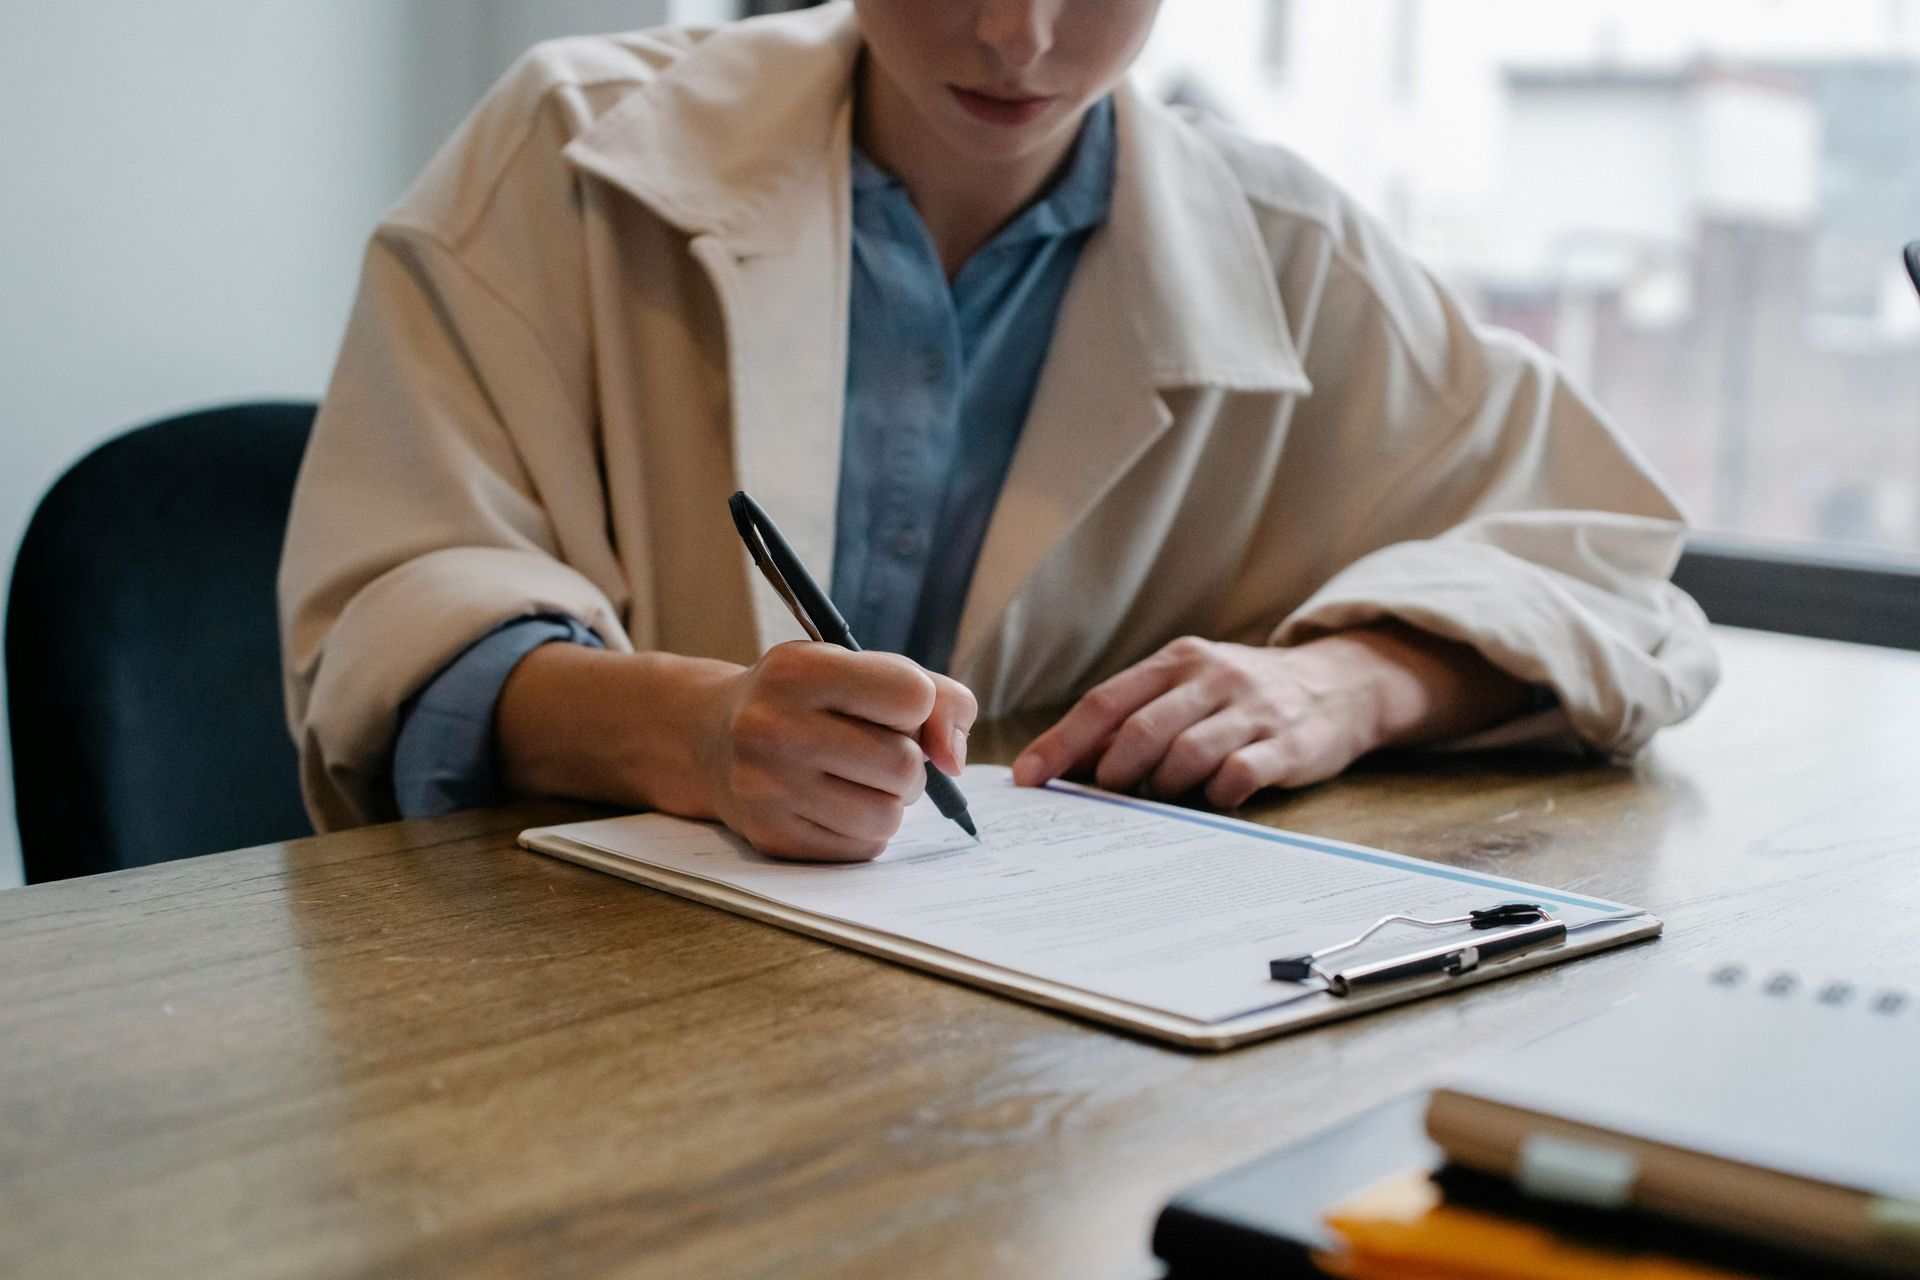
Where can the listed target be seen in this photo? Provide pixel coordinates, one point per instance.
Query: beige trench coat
(620, 292)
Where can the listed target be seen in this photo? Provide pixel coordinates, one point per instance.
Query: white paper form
(1164, 908)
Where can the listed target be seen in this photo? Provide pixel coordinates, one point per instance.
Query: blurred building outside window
(1699, 207)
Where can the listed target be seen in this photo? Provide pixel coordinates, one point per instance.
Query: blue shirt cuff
(443, 755)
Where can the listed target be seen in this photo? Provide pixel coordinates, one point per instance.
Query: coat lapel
(744, 143)
(1177, 290)
(786, 318)
(1094, 413)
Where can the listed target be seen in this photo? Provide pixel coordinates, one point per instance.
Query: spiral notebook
(1762, 1103)
(1158, 919)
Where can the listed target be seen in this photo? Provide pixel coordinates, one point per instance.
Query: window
(1699, 207)
(1276, 38)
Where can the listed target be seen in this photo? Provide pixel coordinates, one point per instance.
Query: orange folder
(1401, 1230)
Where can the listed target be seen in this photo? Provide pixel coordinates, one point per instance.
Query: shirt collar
(1078, 200)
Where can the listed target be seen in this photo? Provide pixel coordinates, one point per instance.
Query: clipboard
(617, 847)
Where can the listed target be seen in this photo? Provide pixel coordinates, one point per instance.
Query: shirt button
(906, 544)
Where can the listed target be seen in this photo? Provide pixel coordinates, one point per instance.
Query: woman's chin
(992, 143)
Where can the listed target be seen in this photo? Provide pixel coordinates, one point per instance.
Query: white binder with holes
(1157, 919)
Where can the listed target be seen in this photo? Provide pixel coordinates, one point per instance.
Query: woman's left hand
(1238, 718)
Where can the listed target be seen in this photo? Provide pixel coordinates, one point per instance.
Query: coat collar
(744, 143)
(724, 138)
(727, 138)
(1198, 277)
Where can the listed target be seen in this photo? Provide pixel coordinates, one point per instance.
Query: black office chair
(143, 652)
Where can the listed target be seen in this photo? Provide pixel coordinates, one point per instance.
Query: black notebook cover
(1265, 1218)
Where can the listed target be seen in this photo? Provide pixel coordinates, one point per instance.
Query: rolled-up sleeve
(449, 487)
(1491, 503)
(443, 757)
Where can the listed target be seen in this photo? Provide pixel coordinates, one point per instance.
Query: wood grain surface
(417, 1051)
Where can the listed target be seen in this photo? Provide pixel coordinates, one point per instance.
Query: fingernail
(959, 747)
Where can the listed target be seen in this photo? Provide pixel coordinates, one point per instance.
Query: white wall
(184, 192)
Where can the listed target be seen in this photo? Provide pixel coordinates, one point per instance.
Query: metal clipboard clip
(1510, 927)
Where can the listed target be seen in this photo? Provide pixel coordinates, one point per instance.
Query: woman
(1079, 398)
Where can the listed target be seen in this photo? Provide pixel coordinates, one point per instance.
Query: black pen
(815, 612)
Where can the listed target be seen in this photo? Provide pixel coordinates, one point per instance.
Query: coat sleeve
(1486, 500)
(456, 478)
(449, 487)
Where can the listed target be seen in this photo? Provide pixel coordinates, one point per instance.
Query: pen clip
(763, 559)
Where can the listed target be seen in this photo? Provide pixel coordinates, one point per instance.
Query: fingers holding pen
(820, 750)
(833, 678)
(881, 688)
(944, 735)
(796, 838)
(859, 752)
(884, 690)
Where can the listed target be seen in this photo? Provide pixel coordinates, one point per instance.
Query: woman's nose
(1019, 31)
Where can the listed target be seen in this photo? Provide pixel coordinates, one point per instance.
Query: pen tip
(965, 820)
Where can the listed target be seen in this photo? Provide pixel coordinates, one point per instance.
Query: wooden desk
(416, 1051)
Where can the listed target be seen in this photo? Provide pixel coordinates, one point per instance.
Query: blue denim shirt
(940, 376)
(939, 380)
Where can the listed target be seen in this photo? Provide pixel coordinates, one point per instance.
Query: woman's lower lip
(999, 110)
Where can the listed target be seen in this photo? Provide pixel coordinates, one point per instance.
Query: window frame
(1829, 593)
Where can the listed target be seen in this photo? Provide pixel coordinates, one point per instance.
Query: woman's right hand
(815, 752)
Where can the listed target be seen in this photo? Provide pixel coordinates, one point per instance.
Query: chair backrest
(143, 652)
